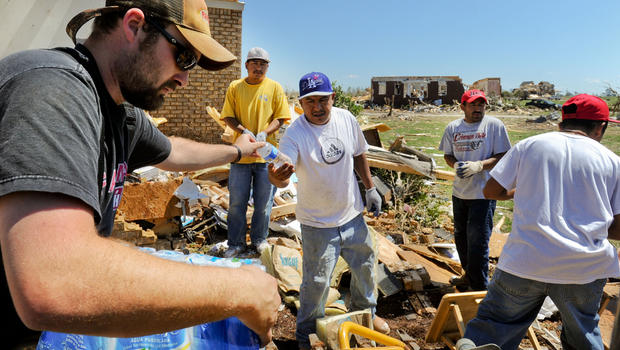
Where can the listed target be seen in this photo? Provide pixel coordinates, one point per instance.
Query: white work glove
(261, 136)
(373, 201)
(467, 169)
(248, 132)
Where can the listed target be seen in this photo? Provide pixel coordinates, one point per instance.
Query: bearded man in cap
(71, 127)
(473, 145)
(566, 190)
(327, 147)
(254, 105)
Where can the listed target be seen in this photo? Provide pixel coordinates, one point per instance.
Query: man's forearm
(66, 278)
(274, 126)
(234, 124)
(360, 164)
(614, 229)
(493, 190)
(489, 163)
(450, 160)
(188, 155)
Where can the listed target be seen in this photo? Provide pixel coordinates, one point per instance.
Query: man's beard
(136, 81)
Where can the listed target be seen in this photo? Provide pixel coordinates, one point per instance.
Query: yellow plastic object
(347, 328)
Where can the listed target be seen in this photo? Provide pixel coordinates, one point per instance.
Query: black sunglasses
(186, 59)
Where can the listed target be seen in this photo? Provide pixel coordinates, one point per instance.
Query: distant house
(406, 90)
(490, 86)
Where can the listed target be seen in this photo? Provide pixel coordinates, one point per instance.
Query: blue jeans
(321, 249)
(243, 179)
(473, 223)
(512, 303)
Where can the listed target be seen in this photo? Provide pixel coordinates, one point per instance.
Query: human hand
(282, 173)
(467, 169)
(262, 311)
(373, 201)
(248, 145)
(248, 132)
(261, 136)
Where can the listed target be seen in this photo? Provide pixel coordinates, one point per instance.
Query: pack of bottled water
(228, 334)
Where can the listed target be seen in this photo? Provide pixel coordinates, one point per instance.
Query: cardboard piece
(454, 266)
(388, 252)
(436, 273)
(287, 264)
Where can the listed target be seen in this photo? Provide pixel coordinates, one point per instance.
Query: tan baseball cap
(190, 16)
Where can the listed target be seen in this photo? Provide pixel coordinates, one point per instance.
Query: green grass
(425, 132)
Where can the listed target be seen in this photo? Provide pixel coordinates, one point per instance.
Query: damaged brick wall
(185, 109)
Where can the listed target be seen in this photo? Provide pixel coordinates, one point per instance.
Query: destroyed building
(185, 108)
(531, 90)
(490, 86)
(399, 91)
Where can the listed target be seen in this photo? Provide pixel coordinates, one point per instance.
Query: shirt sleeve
(148, 145)
(505, 171)
(51, 129)
(615, 196)
(502, 141)
(281, 110)
(289, 147)
(361, 144)
(228, 111)
(446, 141)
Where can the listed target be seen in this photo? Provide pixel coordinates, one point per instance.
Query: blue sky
(573, 44)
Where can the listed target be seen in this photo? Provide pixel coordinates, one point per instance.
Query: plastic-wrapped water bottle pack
(228, 334)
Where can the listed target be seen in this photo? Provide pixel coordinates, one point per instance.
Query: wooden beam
(283, 210)
(440, 174)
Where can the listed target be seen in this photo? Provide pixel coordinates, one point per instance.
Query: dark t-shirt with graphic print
(61, 132)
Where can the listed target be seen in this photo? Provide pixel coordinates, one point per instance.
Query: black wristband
(238, 154)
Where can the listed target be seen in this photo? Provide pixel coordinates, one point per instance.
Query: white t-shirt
(567, 193)
(327, 192)
(473, 142)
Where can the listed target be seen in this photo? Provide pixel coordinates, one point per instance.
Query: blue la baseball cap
(314, 84)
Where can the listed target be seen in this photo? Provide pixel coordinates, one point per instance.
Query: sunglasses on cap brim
(185, 57)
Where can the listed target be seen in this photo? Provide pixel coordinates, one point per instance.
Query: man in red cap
(473, 145)
(566, 190)
(72, 126)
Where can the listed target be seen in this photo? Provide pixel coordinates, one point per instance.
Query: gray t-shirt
(473, 142)
(61, 132)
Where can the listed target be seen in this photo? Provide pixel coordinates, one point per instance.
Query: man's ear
(598, 132)
(132, 22)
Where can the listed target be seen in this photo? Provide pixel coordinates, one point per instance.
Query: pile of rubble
(529, 90)
(187, 212)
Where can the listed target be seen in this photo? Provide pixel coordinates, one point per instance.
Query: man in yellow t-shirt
(254, 105)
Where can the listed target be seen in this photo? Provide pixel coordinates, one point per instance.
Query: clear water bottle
(271, 155)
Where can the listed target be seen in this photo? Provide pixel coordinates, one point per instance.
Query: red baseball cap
(472, 95)
(584, 106)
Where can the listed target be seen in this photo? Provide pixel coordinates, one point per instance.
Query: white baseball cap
(258, 53)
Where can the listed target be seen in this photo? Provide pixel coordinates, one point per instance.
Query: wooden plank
(381, 127)
(437, 274)
(456, 312)
(532, 336)
(387, 252)
(445, 322)
(426, 252)
(283, 210)
(440, 174)
(213, 113)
